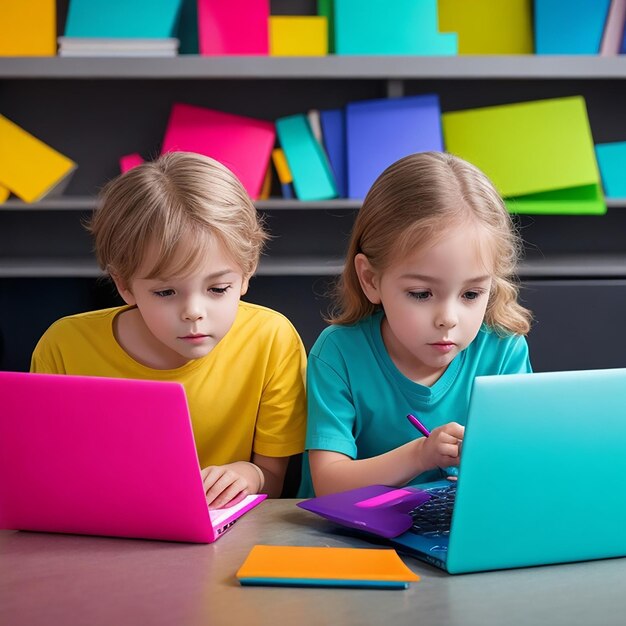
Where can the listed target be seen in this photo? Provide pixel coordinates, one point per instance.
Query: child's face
(434, 302)
(186, 316)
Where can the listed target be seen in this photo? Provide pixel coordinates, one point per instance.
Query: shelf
(558, 267)
(87, 268)
(88, 203)
(329, 67)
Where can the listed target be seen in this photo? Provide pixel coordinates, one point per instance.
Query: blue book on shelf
(334, 134)
(569, 26)
(312, 175)
(132, 19)
(408, 27)
(380, 132)
(612, 162)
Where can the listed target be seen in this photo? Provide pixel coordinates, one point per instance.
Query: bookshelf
(95, 110)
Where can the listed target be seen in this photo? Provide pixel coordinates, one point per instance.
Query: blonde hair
(411, 204)
(180, 197)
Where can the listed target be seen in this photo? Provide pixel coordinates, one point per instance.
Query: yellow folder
(292, 35)
(29, 167)
(540, 155)
(324, 566)
(489, 26)
(28, 28)
(4, 194)
(282, 167)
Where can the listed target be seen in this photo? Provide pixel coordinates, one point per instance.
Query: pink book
(243, 144)
(613, 29)
(129, 161)
(233, 27)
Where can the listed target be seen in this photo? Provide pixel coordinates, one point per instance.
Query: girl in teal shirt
(427, 302)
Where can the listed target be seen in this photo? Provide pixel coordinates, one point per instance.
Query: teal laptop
(541, 478)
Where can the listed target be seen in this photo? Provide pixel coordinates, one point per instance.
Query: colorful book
(572, 27)
(243, 144)
(333, 122)
(283, 171)
(129, 161)
(187, 32)
(379, 132)
(312, 176)
(489, 26)
(298, 35)
(233, 27)
(612, 162)
(300, 566)
(267, 184)
(403, 27)
(28, 167)
(614, 29)
(326, 8)
(122, 19)
(540, 155)
(28, 28)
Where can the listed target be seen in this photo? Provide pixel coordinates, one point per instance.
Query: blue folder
(310, 169)
(380, 132)
(334, 133)
(122, 18)
(569, 26)
(382, 27)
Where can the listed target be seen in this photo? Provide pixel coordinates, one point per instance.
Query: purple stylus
(415, 422)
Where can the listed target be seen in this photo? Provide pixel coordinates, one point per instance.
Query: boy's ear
(245, 283)
(368, 277)
(123, 290)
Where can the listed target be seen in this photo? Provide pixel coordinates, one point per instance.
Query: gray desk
(64, 579)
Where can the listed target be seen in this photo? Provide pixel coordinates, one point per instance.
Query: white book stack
(114, 47)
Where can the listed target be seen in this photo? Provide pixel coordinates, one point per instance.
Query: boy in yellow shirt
(180, 238)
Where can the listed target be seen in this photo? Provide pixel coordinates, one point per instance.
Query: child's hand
(223, 486)
(443, 447)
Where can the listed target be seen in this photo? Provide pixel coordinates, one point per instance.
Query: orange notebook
(298, 566)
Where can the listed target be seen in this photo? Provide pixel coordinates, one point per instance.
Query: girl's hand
(223, 486)
(443, 447)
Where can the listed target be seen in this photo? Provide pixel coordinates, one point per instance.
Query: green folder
(540, 155)
(312, 176)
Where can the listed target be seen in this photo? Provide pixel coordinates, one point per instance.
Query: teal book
(311, 171)
(572, 27)
(402, 27)
(612, 162)
(123, 19)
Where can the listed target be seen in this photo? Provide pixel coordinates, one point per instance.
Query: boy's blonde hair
(412, 204)
(180, 197)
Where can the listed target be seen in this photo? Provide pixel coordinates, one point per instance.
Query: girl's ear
(123, 290)
(368, 277)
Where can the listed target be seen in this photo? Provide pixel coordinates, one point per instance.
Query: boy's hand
(443, 447)
(223, 486)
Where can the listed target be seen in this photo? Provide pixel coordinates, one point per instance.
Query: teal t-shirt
(358, 400)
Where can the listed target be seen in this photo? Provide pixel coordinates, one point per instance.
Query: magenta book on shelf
(233, 27)
(243, 144)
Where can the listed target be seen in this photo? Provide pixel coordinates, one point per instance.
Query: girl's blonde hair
(182, 197)
(410, 205)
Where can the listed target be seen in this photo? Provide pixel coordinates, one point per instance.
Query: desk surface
(64, 579)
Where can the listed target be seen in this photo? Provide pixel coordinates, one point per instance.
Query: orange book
(299, 566)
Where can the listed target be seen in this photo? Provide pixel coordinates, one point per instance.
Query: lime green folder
(540, 155)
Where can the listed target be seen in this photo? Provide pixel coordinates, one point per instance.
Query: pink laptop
(103, 456)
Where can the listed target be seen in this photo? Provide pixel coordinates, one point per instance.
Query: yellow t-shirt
(247, 395)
